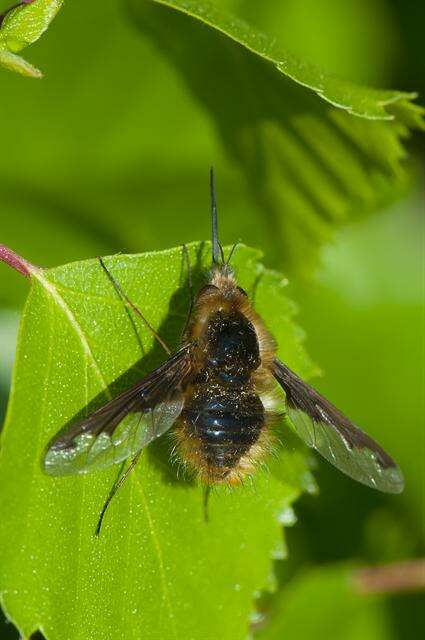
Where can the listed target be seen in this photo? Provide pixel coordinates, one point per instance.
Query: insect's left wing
(335, 437)
(124, 425)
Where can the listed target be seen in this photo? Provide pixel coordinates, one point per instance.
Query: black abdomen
(225, 422)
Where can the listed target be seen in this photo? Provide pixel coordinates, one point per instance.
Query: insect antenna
(136, 309)
(115, 487)
(217, 249)
(190, 286)
(232, 250)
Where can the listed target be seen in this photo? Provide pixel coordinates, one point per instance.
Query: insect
(217, 392)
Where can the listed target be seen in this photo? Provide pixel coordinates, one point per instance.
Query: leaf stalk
(17, 262)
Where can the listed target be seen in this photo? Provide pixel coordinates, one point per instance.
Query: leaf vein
(52, 290)
(155, 540)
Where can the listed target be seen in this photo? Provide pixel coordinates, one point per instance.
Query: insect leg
(190, 287)
(207, 493)
(117, 484)
(136, 309)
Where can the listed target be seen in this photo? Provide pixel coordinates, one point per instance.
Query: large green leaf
(315, 149)
(158, 570)
(100, 168)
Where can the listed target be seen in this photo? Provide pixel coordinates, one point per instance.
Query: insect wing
(123, 426)
(324, 428)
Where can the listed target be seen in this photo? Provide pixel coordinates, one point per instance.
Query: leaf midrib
(158, 551)
(59, 300)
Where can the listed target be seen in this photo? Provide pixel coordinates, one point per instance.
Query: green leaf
(362, 101)
(356, 39)
(21, 27)
(315, 149)
(364, 298)
(322, 602)
(116, 186)
(158, 570)
(15, 63)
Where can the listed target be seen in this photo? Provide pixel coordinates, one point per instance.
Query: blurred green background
(110, 152)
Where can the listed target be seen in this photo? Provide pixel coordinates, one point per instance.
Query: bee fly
(217, 392)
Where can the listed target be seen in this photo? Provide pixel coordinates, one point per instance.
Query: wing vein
(322, 426)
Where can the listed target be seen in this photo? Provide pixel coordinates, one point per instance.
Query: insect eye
(243, 292)
(208, 289)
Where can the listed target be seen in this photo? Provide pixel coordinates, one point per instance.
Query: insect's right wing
(126, 424)
(323, 427)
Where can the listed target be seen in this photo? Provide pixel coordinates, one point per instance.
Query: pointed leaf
(15, 63)
(157, 570)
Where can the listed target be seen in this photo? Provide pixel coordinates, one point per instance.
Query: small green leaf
(21, 27)
(157, 570)
(15, 63)
(316, 149)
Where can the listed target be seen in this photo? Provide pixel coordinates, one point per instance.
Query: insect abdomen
(222, 425)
